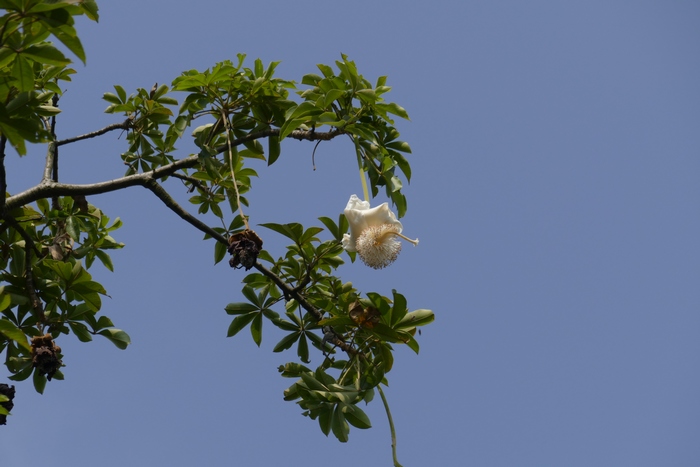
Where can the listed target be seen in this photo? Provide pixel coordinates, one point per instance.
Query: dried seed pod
(9, 392)
(46, 355)
(244, 248)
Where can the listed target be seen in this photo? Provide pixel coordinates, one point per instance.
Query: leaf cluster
(31, 66)
(46, 287)
(319, 309)
(50, 235)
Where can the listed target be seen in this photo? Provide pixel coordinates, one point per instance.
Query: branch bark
(48, 188)
(163, 195)
(125, 125)
(3, 176)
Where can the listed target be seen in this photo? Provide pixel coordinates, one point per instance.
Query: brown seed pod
(9, 392)
(244, 248)
(46, 355)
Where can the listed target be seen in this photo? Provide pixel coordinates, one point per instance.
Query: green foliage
(30, 66)
(50, 236)
(367, 327)
(54, 247)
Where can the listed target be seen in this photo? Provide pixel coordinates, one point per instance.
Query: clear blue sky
(556, 194)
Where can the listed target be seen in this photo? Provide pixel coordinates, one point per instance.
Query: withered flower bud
(244, 248)
(364, 317)
(46, 355)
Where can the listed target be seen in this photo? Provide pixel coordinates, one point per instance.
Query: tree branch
(49, 188)
(308, 135)
(163, 195)
(125, 125)
(196, 183)
(53, 147)
(3, 176)
(50, 162)
(288, 291)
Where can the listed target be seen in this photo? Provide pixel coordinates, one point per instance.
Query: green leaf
(256, 328)
(111, 98)
(80, 331)
(325, 418)
(332, 227)
(118, 337)
(312, 383)
(64, 270)
(39, 381)
(339, 425)
(273, 149)
(45, 53)
(239, 323)
(220, 251)
(394, 109)
(337, 321)
(9, 330)
(292, 231)
(286, 342)
(105, 259)
(24, 72)
(67, 35)
(356, 417)
(92, 299)
(399, 309)
(303, 349)
(412, 343)
(5, 299)
(416, 318)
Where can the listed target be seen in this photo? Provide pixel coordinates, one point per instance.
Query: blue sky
(556, 157)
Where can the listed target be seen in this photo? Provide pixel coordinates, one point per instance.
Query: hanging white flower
(373, 233)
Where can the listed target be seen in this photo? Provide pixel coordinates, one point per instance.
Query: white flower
(373, 233)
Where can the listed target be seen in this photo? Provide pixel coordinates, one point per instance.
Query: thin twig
(192, 180)
(301, 135)
(125, 125)
(227, 129)
(163, 195)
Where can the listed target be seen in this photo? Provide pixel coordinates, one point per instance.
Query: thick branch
(125, 125)
(50, 162)
(50, 188)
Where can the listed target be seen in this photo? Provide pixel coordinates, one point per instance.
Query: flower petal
(360, 216)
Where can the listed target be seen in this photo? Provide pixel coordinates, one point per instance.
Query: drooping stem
(358, 151)
(224, 118)
(391, 426)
